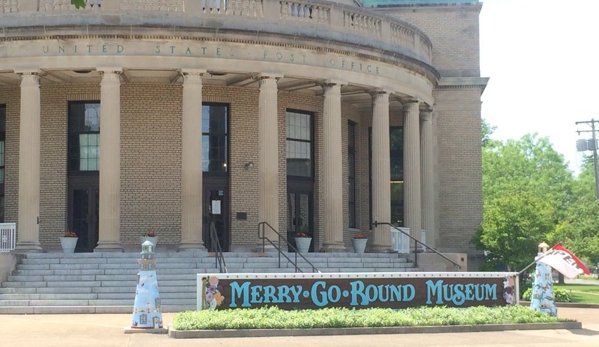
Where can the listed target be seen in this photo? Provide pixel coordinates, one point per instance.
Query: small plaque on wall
(242, 215)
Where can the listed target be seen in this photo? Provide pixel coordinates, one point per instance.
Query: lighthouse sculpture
(146, 309)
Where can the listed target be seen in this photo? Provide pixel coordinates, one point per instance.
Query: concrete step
(66, 309)
(84, 296)
(106, 282)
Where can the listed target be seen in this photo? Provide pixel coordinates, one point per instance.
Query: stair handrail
(416, 242)
(265, 239)
(219, 258)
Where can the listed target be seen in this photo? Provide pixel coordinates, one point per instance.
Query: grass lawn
(581, 293)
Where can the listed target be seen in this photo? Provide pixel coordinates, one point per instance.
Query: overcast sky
(542, 58)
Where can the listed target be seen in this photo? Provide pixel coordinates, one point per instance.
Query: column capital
(333, 83)
(380, 92)
(269, 75)
(109, 70)
(192, 72)
(411, 102)
(28, 72)
(426, 114)
(380, 95)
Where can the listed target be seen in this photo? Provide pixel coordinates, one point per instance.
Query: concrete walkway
(108, 330)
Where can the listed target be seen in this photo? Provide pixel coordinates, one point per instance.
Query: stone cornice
(393, 58)
(463, 83)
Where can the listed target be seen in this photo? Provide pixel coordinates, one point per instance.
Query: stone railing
(323, 16)
(8, 6)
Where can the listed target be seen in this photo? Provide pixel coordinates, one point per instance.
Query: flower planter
(153, 239)
(68, 244)
(303, 244)
(359, 245)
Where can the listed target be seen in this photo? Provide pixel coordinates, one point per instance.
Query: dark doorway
(216, 210)
(300, 214)
(84, 207)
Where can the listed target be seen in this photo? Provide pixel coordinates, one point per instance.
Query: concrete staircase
(106, 282)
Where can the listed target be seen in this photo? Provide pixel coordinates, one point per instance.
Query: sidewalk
(108, 330)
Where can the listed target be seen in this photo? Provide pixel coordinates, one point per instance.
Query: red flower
(70, 234)
(150, 233)
(360, 236)
(300, 234)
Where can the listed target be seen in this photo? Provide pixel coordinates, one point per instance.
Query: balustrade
(362, 22)
(309, 12)
(325, 16)
(8, 6)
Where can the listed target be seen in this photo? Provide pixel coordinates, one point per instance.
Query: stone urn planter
(359, 244)
(303, 244)
(68, 244)
(153, 239)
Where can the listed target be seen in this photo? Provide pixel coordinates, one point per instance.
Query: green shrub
(561, 295)
(275, 318)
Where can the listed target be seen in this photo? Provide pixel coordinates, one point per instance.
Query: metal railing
(277, 246)
(8, 236)
(400, 242)
(219, 258)
(416, 242)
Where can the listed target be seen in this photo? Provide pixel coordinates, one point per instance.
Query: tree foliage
(78, 3)
(579, 232)
(512, 227)
(527, 189)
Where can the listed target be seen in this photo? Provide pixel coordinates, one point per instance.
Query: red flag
(562, 260)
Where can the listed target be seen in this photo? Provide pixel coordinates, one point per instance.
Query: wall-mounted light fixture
(248, 165)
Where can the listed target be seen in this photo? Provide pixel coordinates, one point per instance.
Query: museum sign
(392, 290)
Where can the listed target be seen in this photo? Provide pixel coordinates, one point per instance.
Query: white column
(268, 157)
(428, 188)
(381, 172)
(332, 169)
(411, 166)
(29, 164)
(110, 162)
(191, 185)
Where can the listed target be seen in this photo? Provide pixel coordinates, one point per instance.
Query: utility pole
(584, 145)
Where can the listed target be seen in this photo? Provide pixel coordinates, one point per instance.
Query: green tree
(487, 131)
(527, 189)
(513, 225)
(579, 232)
(78, 3)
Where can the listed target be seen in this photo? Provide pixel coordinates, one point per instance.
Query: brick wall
(453, 31)
(11, 98)
(460, 166)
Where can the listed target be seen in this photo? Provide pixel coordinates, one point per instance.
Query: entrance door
(299, 215)
(216, 210)
(84, 204)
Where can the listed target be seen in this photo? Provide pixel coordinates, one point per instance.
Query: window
(215, 140)
(351, 172)
(397, 187)
(84, 137)
(396, 163)
(299, 144)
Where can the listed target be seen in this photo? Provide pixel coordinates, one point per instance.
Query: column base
(192, 247)
(381, 249)
(28, 247)
(109, 247)
(333, 248)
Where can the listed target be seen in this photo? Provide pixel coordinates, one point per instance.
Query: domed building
(319, 118)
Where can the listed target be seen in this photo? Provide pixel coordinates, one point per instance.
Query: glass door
(84, 204)
(216, 210)
(299, 216)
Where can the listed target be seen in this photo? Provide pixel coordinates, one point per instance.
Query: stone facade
(423, 54)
